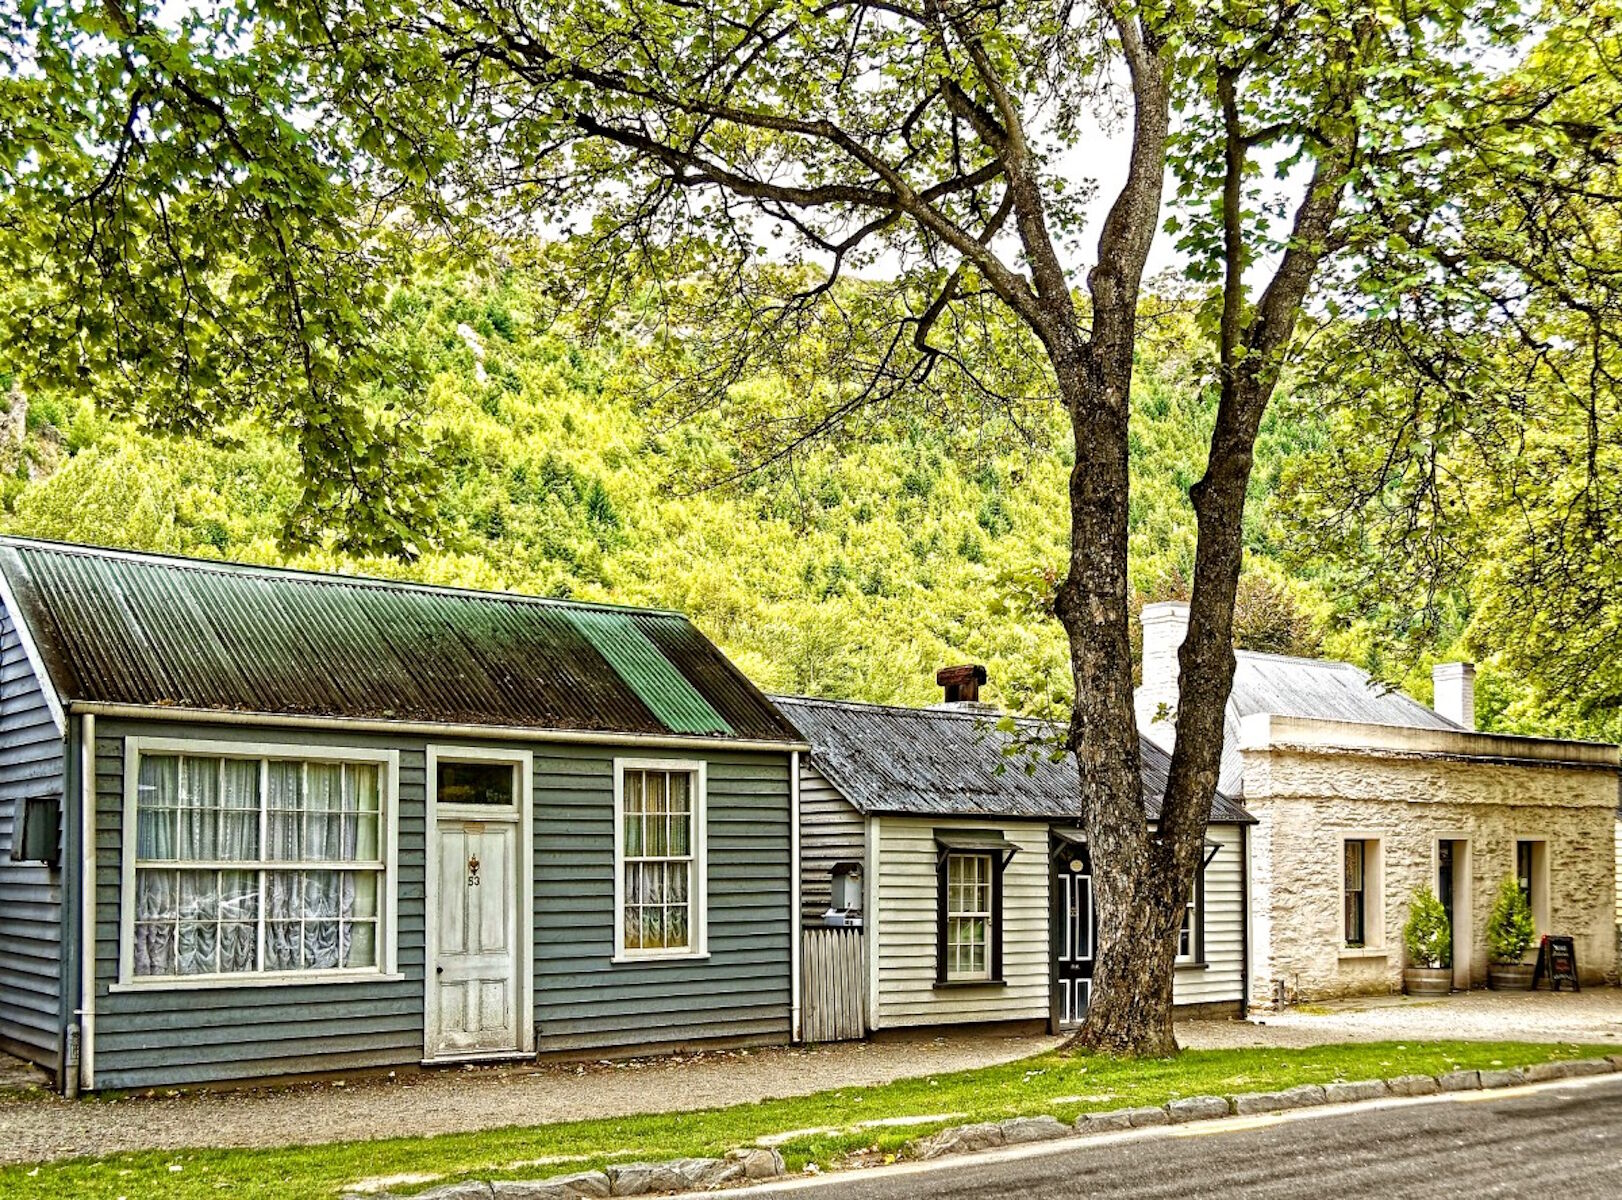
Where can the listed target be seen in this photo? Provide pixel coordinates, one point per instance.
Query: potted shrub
(1509, 936)
(1429, 941)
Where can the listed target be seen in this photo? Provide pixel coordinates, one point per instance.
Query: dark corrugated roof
(940, 762)
(121, 628)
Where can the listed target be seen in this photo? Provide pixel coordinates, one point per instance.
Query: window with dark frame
(969, 914)
(1189, 935)
(1356, 898)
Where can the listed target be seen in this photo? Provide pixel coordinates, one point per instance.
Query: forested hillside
(853, 569)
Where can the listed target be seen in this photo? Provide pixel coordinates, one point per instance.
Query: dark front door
(1074, 930)
(1444, 884)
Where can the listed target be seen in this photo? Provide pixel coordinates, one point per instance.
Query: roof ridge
(1303, 659)
(324, 578)
(913, 710)
(1388, 689)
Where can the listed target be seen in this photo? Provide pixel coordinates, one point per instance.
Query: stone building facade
(1423, 805)
(1363, 795)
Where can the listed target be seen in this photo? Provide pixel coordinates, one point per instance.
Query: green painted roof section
(647, 672)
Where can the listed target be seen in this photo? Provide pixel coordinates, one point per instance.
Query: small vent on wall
(37, 836)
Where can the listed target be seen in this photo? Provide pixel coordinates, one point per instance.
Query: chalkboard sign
(1557, 959)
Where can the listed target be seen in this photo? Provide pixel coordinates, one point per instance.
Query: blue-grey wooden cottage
(260, 822)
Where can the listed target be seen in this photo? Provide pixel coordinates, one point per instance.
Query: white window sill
(198, 983)
(1364, 952)
(636, 960)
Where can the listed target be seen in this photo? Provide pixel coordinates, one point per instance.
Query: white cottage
(1362, 794)
(961, 858)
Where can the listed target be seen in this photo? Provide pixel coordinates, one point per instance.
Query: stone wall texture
(1309, 799)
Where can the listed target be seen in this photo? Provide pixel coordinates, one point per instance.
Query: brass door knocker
(473, 870)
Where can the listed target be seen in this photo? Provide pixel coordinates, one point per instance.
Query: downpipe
(70, 1063)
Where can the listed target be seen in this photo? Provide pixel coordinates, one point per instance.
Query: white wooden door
(476, 958)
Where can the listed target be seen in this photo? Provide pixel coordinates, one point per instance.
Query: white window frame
(1374, 943)
(388, 763)
(989, 916)
(698, 884)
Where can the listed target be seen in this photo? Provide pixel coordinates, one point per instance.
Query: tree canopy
(870, 199)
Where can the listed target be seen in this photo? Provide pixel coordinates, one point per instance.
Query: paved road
(1563, 1141)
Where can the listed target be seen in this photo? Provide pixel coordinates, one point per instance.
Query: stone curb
(966, 1139)
(749, 1165)
(755, 1164)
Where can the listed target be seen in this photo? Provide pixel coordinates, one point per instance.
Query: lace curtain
(657, 854)
(226, 907)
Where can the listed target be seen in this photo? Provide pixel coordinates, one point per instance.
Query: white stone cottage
(1362, 794)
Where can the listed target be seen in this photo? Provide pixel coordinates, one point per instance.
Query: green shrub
(1509, 928)
(1426, 933)
(994, 517)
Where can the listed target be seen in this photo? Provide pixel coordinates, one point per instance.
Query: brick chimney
(1455, 685)
(1165, 625)
(962, 686)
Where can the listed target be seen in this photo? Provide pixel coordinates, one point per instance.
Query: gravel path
(37, 1126)
(1591, 1016)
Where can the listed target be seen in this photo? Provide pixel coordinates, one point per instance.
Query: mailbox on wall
(845, 895)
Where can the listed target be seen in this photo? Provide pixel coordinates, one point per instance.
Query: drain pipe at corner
(81, 1047)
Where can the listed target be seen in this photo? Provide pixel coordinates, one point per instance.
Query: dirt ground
(36, 1125)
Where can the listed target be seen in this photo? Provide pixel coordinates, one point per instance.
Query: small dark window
(1523, 870)
(38, 833)
(476, 783)
(1356, 903)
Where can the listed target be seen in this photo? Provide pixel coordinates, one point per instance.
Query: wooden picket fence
(833, 985)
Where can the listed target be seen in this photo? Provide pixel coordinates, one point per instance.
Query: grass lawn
(1043, 1084)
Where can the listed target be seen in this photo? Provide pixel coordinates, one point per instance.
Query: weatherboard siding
(831, 831)
(1222, 979)
(31, 959)
(741, 991)
(583, 1000)
(907, 911)
(150, 1037)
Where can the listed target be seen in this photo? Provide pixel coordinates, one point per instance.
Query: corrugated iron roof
(1283, 686)
(142, 629)
(943, 762)
(1336, 691)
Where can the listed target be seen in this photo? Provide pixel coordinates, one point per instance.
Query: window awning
(973, 841)
(1078, 839)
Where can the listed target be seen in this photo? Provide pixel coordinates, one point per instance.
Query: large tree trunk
(1137, 891)
(1139, 902)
